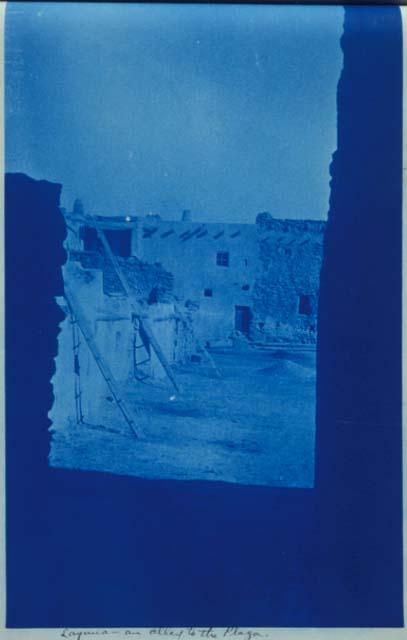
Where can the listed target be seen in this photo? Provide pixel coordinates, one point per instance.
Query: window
(208, 293)
(304, 306)
(222, 258)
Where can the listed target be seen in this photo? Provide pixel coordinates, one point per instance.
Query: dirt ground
(254, 426)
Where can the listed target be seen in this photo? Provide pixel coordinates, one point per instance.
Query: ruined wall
(149, 282)
(285, 295)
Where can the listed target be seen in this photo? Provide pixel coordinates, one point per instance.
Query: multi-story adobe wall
(259, 279)
(214, 266)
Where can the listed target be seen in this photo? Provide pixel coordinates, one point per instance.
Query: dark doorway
(242, 319)
(90, 239)
(120, 241)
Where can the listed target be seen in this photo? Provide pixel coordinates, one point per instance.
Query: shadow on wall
(358, 471)
(107, 551)
(35, 231)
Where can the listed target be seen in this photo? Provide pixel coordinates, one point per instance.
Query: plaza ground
(254, 426)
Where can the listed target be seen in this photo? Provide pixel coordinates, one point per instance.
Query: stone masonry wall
(150, 282)
(285, 294)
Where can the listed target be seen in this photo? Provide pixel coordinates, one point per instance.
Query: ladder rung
(104, 369)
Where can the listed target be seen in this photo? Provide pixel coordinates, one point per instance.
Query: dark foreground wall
(359, 349)
(90, 549)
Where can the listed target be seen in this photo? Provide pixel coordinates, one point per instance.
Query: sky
(226, 110)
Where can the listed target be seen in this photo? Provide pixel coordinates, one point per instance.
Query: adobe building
(257, 280)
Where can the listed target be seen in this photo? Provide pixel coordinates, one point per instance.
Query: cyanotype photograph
(203, 315)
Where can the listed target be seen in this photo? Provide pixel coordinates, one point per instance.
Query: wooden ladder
(104, 368)
(135, 307)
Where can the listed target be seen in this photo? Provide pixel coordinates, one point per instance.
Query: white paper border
(243, 633)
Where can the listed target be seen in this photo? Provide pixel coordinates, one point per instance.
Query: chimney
(186, 215)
